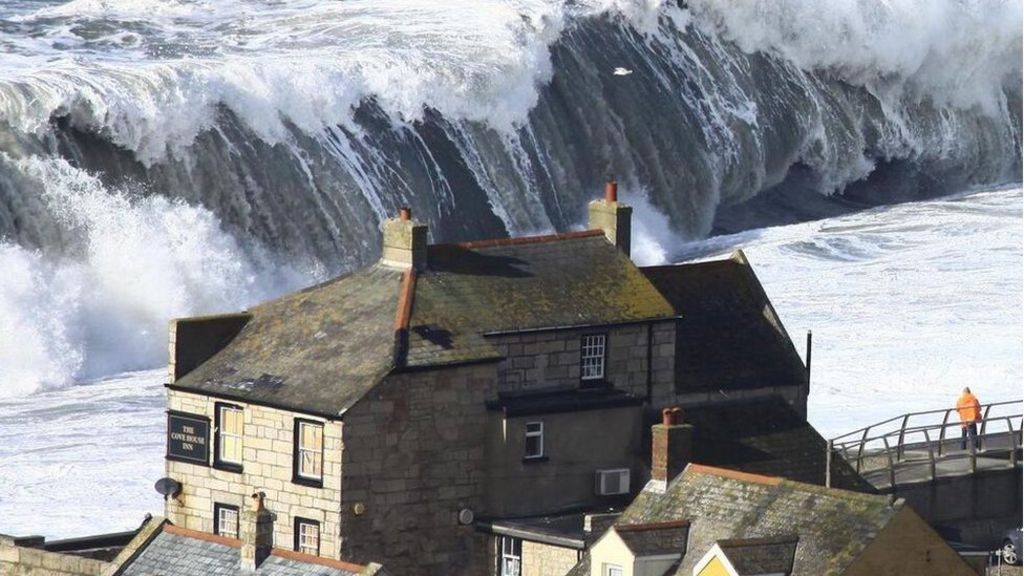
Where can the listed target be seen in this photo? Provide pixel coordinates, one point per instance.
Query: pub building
(465, 408)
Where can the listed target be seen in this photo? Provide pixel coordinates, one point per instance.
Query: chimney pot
(405, 213)
(666, 417)
(611, 191)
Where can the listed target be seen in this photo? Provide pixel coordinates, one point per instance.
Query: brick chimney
(256, 529)
(405, 242)
(671, 445)
(613, 217)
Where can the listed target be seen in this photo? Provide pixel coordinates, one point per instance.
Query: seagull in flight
(620, 71)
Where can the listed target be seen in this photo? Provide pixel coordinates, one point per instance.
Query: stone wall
(414, 457)
(551, 359)
(547, 560)
(20, 561)
(267, 467)
(576, 445)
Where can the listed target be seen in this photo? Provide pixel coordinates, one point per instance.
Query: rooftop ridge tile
(520, 240)
(651, 526)
(735, 475)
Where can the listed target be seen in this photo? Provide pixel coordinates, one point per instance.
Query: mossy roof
(766, 436)
(729, 336)
(315, 351)
(319, 350)
(833, 526)
(476, 289)
(754, 556)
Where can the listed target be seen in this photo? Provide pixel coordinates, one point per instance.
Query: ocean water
(165, 158)
(908, 303)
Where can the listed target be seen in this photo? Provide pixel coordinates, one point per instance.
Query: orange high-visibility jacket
(969, 408)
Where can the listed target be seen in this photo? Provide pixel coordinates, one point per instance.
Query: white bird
(620, 71)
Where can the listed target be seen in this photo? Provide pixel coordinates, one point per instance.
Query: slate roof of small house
(655, 539)
(753, 556)
(766, 436)
(730, 336)
(178, 552)
(834, 526)
(320, 349)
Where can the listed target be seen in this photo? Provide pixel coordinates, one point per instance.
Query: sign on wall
(188, 438)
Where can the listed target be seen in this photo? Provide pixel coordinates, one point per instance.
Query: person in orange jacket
(970, 414)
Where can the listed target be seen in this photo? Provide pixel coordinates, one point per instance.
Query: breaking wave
(170, 157)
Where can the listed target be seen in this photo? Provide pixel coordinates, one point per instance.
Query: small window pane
(311, 441)
(309, 538)
(230, 435)
(534, 440)
(511, 556)
(227, 521)
(592, 357)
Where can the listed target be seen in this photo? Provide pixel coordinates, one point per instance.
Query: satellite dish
(169, 487)
(466, 516)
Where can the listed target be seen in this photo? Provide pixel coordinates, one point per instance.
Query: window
(225, 518)
(612, 570)
(534, 440)
(309, 452)
(307, 536)
(592, 357)
(229, 437)
(511, 556)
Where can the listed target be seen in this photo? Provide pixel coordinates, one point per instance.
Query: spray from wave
(101, 306)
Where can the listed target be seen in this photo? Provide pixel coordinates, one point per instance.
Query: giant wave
(172, 157)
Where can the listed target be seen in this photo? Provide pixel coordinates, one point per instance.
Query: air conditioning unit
(611, 482)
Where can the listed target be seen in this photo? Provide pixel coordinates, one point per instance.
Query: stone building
(462, 408)
(717, 522)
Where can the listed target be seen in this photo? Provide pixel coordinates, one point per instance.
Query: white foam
(907, 303)
(152, 74)
(101, 305)
(959, 53)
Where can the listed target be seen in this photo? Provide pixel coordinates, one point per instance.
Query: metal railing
(923, 439)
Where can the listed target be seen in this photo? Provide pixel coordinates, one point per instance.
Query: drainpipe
(808, 357)
(650, 356)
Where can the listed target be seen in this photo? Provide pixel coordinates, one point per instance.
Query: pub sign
(188, 438)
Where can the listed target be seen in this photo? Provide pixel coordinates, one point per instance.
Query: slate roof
(319, 350)
(766, 436)
(474, 289)
(834, 526)
(730, 336)
(655, 539)
(316, 351)
(178, 552)
(752, 556)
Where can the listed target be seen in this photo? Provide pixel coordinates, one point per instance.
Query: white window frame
(223, 512)
(511, 557)
(301, 451)
(611, 570)
(222, 433)
(593, 349)
(307, 537)
(538, 433)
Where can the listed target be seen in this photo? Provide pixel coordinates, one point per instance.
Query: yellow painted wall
(610, 549)
(907, 545)
(714, 568)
